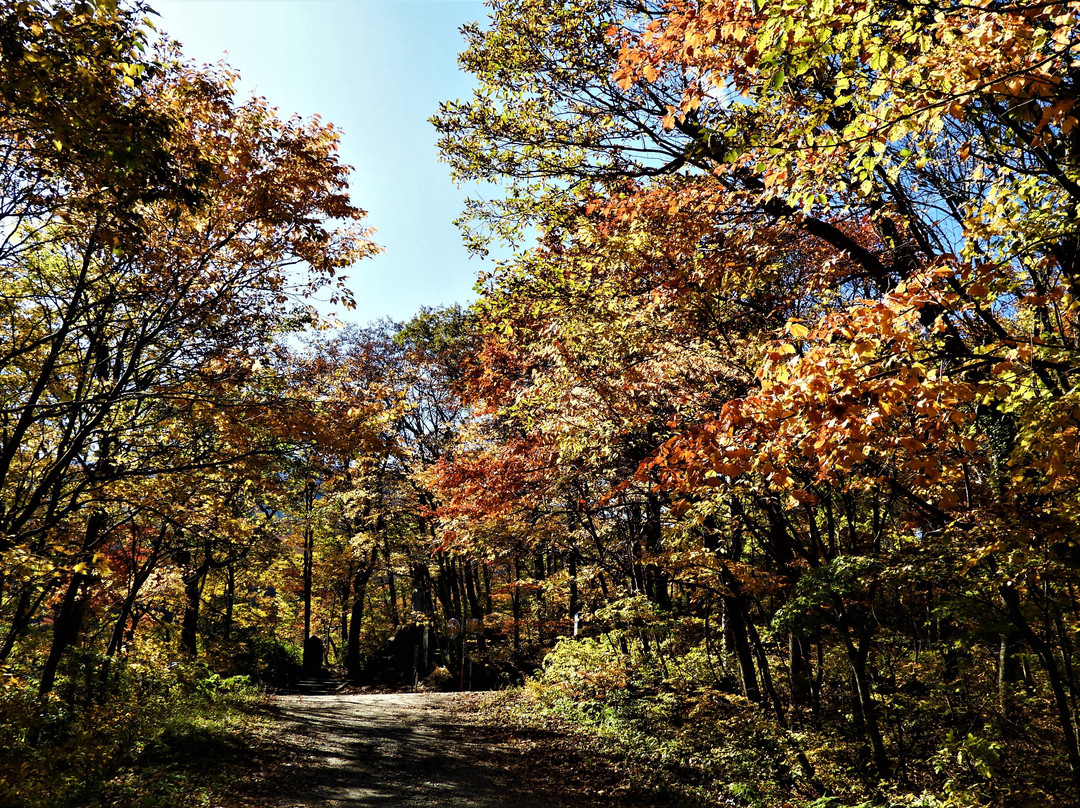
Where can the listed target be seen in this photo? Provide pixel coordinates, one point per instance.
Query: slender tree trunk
(308, 570)
(25, 609)
(356, 617)
(471, 590)
(857, 658)
(310, 664)
(574, 606)
(69, 616)
(421, 594)
(710, 652)
(799, 670)
(391, 584)
(454, 583)
(189, 623)
(515, 605)
(541, 574)
(1057, 686)
(346, 610)
(654, 577)
(1009, 669)
(141, 576)
(736, 623)
(443, 595)
(65, 631)
(230, 598)
(460, 594)
(20, 621)
(116, 640)
(489, 605)
(766, 674)
(819, 672)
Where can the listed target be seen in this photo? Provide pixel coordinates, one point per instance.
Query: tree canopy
(772, 419)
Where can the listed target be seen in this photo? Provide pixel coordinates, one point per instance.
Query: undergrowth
(125, 735)
(687, 737)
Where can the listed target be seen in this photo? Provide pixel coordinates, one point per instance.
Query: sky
(376, 69)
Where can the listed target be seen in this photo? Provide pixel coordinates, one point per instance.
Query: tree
(115, 326)
(822, 255)
(79, 130)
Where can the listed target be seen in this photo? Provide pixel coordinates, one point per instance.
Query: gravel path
(405, 750)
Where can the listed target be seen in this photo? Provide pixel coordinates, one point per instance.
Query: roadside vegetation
(138, 734)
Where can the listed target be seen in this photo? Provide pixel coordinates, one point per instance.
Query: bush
(584, 669)
(144, 736)
(265, 660)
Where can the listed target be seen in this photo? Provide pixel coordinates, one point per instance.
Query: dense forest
(761, 453)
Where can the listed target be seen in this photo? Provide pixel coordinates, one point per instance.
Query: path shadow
(356, 752)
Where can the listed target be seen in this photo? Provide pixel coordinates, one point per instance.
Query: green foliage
(969, 762)
(819, 591)
(624, 611)
(150, 737)
(266, 660)
(585, 669)
(676, 716)
(697, 747)
(783, 404)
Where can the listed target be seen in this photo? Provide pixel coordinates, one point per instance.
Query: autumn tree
(123, 313)
(353, 500)
(418, 364)
(821, 254)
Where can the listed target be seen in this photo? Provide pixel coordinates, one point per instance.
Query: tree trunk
(189, 623)
(421, 593)
(541, 574)
(461, 567)
(799, 670)
(857, 657)
(25, 609)
(356, 617)
(391, 585)
(69, 616)
(766, 674)
(116, 641)
(1010, 670)
(515, 605)
(65, 631)
(346, 608)
(309, 564)
(307, 572)
(489, 604)
(654, 577)
(141, 576)
(736, 624)
(445, 590)
(475, 611)
(574, 606)
(230, 598)
(1061, 699)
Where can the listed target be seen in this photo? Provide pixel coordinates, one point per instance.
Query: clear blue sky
(377, 69)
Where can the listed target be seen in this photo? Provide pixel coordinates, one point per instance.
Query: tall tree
(121, 316)
(822, 254)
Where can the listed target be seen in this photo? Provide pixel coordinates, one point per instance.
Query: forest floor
(424, 749)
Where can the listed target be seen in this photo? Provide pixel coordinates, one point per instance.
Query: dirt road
(405, 750)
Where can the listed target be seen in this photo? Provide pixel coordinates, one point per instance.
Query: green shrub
(143, 736)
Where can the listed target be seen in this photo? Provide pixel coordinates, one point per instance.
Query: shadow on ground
(407, 750)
